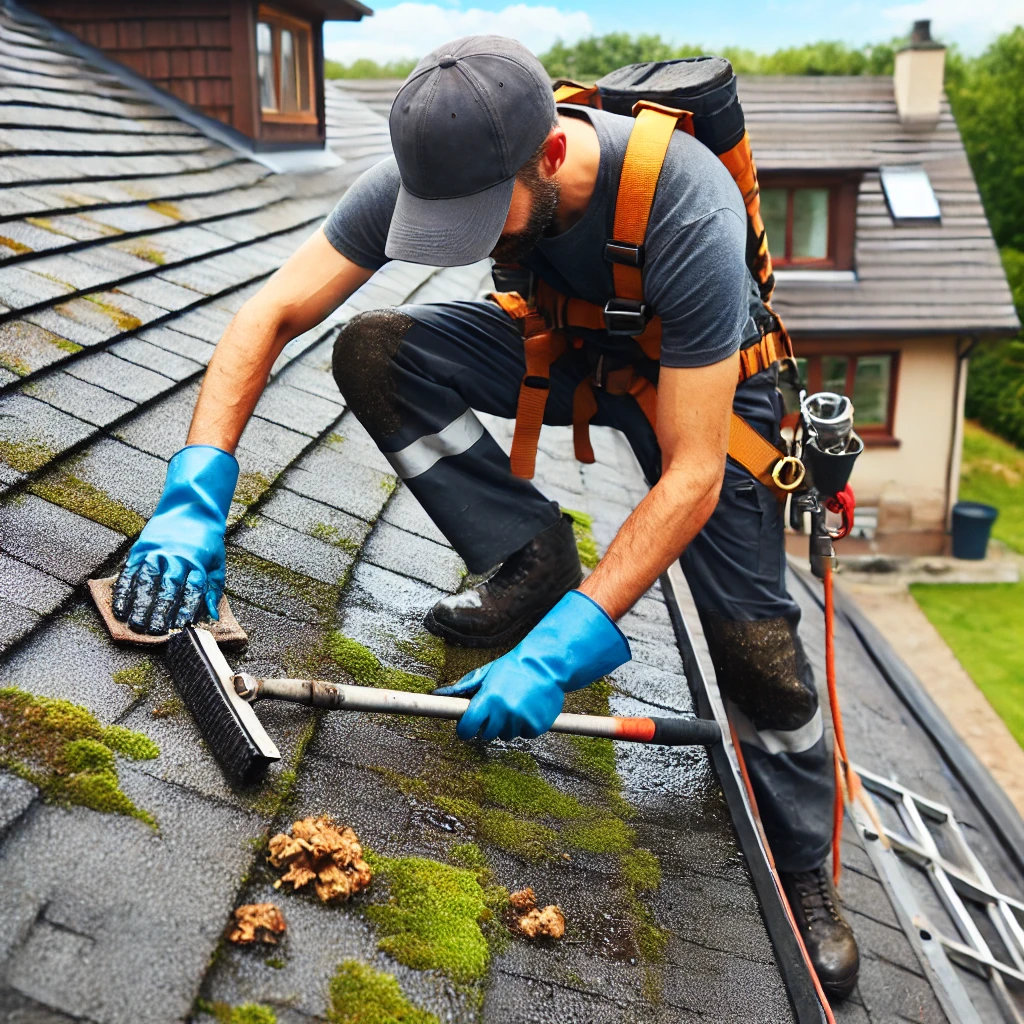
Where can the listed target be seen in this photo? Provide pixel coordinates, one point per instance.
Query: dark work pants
(455, 357)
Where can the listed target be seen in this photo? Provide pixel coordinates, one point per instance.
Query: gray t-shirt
(695, 273)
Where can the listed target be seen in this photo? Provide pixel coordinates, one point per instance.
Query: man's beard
(544, 194)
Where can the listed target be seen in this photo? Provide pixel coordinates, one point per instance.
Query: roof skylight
(910, 195)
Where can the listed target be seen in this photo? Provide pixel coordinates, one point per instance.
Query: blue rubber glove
(179, 556)
(521, 693)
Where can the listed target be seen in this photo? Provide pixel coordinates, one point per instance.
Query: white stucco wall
(908, 483)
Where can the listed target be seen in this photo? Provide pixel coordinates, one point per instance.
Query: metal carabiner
(786, 465)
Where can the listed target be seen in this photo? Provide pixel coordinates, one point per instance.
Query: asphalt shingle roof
(126, 253)
(119, 274)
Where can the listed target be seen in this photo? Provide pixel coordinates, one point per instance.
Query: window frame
(874, 435)
(279, 20)
(843, 190)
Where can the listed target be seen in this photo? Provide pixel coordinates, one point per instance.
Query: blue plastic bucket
(972, 524)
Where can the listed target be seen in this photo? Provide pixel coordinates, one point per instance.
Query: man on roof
(485, 164)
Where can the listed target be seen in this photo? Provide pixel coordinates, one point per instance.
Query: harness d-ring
(788, 464)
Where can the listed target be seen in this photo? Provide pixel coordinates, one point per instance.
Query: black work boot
(829, 939)
(513, 599)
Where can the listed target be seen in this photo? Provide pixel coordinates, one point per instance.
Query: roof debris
(317, 850)
(257, 922)
(535, 923)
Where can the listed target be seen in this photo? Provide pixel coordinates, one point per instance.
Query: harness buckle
(625, 317)
(788, 473)
(626, 253)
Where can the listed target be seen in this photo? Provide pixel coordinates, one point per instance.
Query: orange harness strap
(645, 153)
(545, 324)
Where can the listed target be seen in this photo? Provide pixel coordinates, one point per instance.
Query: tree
(596, 56)
(987, 95)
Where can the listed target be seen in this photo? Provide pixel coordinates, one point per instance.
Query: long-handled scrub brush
(220, 701)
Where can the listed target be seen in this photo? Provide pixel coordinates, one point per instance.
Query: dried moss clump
(583, 531)
(361, 995)
(433, 918)
(64, 489)
(366, 669)
(67, 753)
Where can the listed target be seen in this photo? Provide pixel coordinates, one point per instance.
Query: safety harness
(551, 322)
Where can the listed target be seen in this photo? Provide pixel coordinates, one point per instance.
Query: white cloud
(414, 29)
(973, 25)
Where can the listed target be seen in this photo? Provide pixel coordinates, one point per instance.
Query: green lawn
(984, 623)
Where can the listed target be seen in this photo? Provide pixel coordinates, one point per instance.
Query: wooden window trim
(279, 20)
(874, 435)
(842, 217)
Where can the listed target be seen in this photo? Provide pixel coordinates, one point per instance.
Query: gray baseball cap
(470, 115)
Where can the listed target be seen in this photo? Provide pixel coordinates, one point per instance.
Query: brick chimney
(918, 76)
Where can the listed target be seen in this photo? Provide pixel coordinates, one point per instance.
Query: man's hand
(521, 693)
(178, 559)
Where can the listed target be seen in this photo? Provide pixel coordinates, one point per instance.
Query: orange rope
(847, 780)
(778, 881)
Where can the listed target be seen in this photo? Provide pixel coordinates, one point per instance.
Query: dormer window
(810, 221)
(284, 67)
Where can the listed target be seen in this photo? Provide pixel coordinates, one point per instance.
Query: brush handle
(676, 732)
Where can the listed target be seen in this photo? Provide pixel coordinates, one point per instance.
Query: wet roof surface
(126, 253)
(120, 271)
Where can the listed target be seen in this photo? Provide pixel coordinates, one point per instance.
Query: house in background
(254, 66)
(888, 275)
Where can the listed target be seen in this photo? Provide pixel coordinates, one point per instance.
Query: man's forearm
(313, 283)
(655, 534)
(236, 377)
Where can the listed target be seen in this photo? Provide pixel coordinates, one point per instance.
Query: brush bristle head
(228, 723)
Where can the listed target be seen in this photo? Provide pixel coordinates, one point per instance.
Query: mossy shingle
(433, 917)
(63, 749)
(361, 995)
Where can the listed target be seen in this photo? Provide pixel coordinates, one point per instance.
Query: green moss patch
(169, 708)
(246, 1013)
(15, 365)
(251, 487)
(124, 321)
(64, 750)
(332, 535)
(67, 346)
(433, 918)
(366, 669)
(323, 597)
(641, 870)
(361, 995)
(146, 251)
(26, 456)
(63, 488)
(139, 678)
(583, 531)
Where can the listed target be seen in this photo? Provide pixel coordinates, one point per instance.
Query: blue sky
(409, 28)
